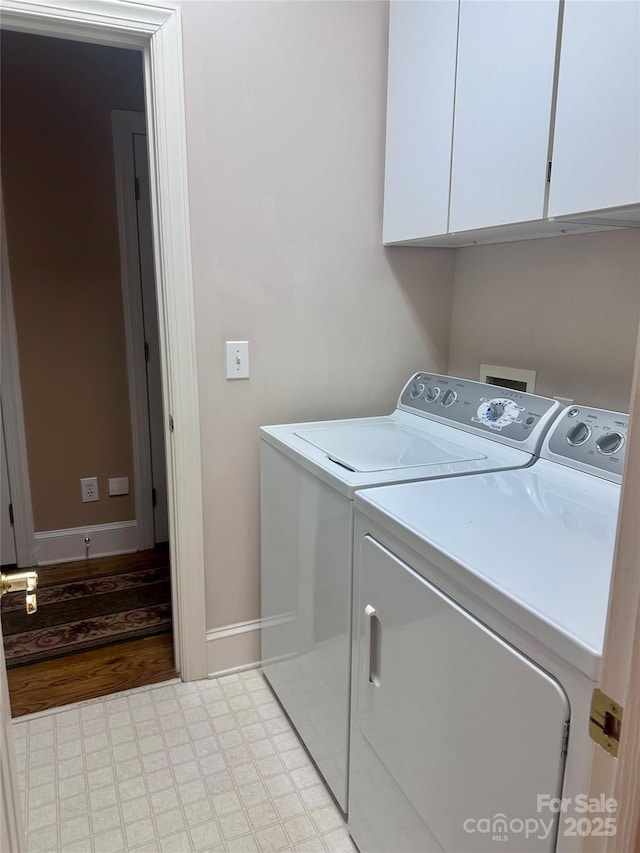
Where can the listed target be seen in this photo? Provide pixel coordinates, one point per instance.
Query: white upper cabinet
(421, 82)
(484, 94)
(596, 151)
(503, 107)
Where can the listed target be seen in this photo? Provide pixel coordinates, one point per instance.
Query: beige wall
(566, 307)
(285, 108)
(59, 193)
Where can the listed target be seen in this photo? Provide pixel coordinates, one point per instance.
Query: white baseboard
(233, 648)
(63, 546)
(235, 669)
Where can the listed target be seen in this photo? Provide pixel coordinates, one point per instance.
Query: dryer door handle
(373, 636)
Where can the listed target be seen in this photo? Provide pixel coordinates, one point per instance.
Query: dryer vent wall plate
(508, 377)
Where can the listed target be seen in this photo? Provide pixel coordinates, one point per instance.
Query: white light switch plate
(237, 359)
(118, 486)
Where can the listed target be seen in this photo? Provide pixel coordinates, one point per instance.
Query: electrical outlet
(89, 487)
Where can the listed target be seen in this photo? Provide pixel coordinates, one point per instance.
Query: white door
(152, 338)
(596, 149)
(451, 727)
(11, 825)
(7, 542)
(504, 91)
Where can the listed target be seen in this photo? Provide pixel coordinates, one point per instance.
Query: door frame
(620, 673)
(11, 817)
(156, 32)
(123, 124)
(14, 431)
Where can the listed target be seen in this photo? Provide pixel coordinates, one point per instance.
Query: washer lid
(384, 447)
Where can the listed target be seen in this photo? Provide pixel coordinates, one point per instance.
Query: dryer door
(454, 733)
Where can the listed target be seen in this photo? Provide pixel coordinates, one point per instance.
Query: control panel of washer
(589, 439)
(513, 417)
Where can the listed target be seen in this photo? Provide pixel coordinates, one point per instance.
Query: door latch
(16, 581)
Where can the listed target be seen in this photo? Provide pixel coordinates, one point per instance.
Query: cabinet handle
(372, 639)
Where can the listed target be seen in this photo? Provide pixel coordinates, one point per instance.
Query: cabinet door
(504, 93)
(450, 724)
(422, 67)
(596, 150)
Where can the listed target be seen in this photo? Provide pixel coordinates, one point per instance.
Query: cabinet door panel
(504, 91)
(596, 151)
(422, 65)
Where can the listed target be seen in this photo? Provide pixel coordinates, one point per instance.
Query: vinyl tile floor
(206, 766)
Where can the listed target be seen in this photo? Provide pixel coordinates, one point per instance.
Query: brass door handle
(15, 581)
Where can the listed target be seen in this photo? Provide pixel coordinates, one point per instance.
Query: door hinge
(11, 519)
(605, 722)
(153, 497)
(146, 351)
(171, 424)
(137, 186)
(565, 738)
(549, 171)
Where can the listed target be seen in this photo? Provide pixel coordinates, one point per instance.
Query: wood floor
(86, 675)
(82, 569)
(89, 674)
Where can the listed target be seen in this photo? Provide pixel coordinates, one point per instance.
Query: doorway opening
(88, 415)
(156, 32)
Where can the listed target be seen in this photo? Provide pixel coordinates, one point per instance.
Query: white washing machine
(480, 606)
(442, 427)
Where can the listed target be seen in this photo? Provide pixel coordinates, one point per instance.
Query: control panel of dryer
(512, 417)
(590, 440)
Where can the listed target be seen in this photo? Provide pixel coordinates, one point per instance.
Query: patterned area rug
(75, 616)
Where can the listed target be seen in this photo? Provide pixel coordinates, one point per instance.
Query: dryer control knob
(432, 393)
(496, 409)
(416, 390)
(610, 442)
(578, 434)
(449, 397)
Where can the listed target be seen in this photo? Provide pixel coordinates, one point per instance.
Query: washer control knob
(578, 434)
(496, 409)
(432, 393)
(610, 442)
(449, 397)
(416, 391)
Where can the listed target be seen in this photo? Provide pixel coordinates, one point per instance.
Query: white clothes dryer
(443, 427)
(480, 606)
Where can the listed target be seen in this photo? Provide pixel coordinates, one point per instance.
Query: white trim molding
(117, 22)
(13, 414)
(105, 540)
(234, 669)
(233, 648)
(166, 134)
(156, 31)
(124, 123)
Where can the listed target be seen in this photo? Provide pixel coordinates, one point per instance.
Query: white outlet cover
(89, 489)
(237, 359)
